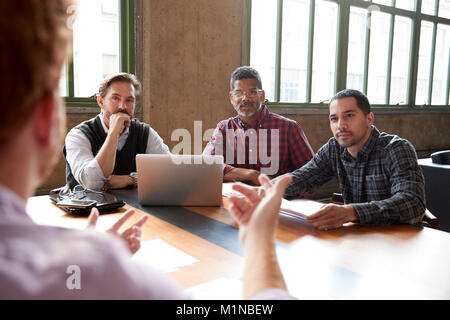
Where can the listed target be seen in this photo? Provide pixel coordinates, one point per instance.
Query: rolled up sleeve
(85, 168)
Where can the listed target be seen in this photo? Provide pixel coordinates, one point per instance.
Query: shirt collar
(127, 130)
(263, 114)
(370, 143)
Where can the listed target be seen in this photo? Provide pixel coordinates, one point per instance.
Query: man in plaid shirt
(256, 140)
(378, 174)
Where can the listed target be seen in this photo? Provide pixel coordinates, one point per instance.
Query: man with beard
(101, 153)
(256, 140)
(378, 174)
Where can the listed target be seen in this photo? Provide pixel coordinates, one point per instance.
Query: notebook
(297, 209)
(300, 208)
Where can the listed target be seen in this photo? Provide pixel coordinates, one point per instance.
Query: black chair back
(441, 157)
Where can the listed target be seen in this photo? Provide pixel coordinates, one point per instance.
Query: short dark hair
(245, 72)
(361, 100)
(120, 77)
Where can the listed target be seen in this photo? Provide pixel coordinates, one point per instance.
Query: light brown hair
(35, 41)
(120, 77)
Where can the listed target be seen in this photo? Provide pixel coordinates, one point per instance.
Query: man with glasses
(101, 153)
(256, 140)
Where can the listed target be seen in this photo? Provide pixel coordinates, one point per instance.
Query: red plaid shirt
(293, 147)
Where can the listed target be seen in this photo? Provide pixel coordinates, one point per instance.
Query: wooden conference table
(354, 262)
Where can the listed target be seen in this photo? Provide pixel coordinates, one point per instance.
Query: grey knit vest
(126, 158)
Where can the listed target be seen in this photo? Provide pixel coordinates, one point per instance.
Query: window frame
(127, 54)
(342, 53)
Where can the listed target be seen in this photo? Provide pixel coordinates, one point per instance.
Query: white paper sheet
(219, 289)
(300, 208)
(162, 256)
(228, 192)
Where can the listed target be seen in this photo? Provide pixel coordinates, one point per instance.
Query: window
(395, 51)
(103, 45)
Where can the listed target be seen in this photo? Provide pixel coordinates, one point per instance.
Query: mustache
(123, 111)
(342, 131)
(247, 103)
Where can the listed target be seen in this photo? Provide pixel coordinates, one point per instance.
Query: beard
(107, 115)
(256, 107)
(347, 142)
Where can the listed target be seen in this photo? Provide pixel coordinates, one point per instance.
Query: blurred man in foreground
(36, 261)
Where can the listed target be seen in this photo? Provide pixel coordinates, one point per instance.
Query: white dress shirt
(37, 262)
(86, 169)
(40, 262)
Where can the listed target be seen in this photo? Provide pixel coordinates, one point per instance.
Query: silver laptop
(179, 180)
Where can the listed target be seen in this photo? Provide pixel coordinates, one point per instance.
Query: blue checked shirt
(384, 183)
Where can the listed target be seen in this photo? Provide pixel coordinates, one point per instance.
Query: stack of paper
(299, 209)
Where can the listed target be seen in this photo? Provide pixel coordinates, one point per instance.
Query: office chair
(441, 157)
(436, 171)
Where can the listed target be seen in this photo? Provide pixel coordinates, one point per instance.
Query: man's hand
(118, 182)
(106, 156)
(249, 176)
(131, 236)
(333, 216)
(257, 215)
(118, 122)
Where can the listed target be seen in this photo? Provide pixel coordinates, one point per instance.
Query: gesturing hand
(132, 235)
(256, 215)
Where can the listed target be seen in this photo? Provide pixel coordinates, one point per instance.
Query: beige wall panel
(189, 53)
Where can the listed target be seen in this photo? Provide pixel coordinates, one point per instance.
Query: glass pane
(379, 43)
(263, 42)
(324, 55)
(294, 55)
(423, 71)
(405, 4)
(441, 65)
(400, 60)
(293, 85)
(444, 8)
(110, 64)
(428, 6)
(63, 83)
(356, 48)
(96, 35)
